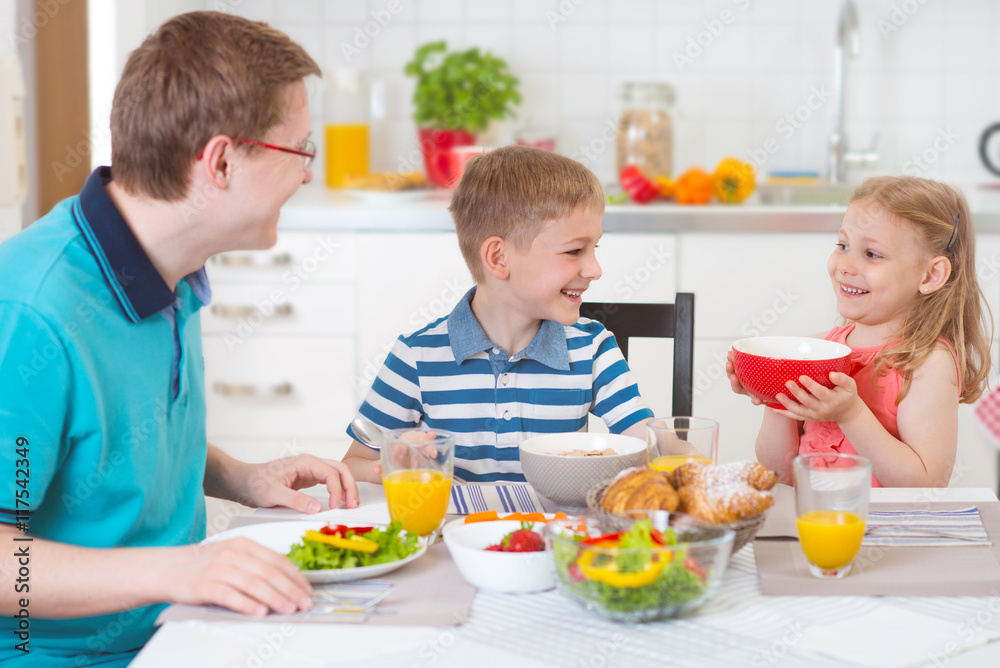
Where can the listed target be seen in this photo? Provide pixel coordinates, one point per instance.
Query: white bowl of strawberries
(502, 556)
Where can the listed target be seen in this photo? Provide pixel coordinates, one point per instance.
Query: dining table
(740, 626)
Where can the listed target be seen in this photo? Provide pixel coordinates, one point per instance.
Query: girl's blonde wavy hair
(957, 312)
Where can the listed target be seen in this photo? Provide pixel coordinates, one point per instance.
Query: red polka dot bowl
(763, 364)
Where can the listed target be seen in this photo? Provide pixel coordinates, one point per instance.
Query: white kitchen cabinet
(757, 284)
(279, 345)
(405, 282)
(636, 268)
(752, 284)
(640, 268)
(279, 387)
(739, 420)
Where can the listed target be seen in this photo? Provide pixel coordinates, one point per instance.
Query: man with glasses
(102, 404)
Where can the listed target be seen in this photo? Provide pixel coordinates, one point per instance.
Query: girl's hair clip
(954, 234)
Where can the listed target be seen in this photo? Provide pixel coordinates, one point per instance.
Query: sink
(820, 194)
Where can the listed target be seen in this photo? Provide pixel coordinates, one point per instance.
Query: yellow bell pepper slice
(665, 186)
(609, 574)
(356, 543)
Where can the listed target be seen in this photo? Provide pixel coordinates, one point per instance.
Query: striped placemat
(501, 497)
(925, 528)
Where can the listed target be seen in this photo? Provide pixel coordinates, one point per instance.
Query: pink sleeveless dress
(878, 392)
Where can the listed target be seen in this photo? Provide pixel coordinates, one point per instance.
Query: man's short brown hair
(512, 192)
(199, 75)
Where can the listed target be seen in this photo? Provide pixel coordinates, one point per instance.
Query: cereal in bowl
(606, 452)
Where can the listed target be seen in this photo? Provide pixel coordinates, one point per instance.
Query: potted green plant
(456, 96)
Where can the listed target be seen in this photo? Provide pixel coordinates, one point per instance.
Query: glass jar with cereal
(645, 128)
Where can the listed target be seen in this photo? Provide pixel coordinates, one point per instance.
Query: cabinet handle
(247, 260)
(235, 312)
(253, 391)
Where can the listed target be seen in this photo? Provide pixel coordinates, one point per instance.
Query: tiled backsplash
(745, 71)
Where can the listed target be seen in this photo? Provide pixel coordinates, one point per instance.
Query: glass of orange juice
(673, 441)
(831, 506)
(417, 468)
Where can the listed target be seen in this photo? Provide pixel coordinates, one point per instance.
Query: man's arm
(61, 581)
(275, 483)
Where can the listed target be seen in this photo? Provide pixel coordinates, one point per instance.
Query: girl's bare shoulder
(939, 365)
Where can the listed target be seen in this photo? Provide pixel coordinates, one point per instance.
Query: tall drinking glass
(673, 441)
(417, 468)
(831, 505)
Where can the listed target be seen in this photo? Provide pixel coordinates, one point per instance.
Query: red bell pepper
(655, 534)
(600, 539)
(693, 566)
(639, 187)
(341, 530)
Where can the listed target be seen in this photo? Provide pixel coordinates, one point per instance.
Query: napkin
(915, 528)
(862, 638)
(501, 497)
(987, 412)
(429, 591)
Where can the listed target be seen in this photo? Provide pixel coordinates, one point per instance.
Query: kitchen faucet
(848, 44)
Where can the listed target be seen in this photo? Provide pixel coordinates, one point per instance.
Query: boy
(102, 402)
(511, 360)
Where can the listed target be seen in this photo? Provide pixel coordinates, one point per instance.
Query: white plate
(389, 196)
(280, 536)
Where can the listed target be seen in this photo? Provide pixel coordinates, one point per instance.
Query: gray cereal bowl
(565, 479)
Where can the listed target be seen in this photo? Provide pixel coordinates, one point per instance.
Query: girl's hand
(817, 403)
(736, 385)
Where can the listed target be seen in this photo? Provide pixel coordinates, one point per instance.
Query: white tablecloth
(739, 628)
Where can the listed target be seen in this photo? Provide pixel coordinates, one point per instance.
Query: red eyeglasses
(307, 150)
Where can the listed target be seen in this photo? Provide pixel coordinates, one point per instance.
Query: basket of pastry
(736, 495)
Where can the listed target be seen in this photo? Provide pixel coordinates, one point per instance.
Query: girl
(903, 271)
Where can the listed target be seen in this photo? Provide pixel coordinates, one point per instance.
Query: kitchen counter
(317, 208)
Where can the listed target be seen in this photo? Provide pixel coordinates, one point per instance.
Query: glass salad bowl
(644, 566)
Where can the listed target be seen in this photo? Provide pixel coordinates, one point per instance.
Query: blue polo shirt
(450, 376)
(102, 409)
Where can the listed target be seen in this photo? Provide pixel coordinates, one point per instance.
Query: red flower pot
(436, 146)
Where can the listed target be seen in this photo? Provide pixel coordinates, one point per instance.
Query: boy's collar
(467, 337)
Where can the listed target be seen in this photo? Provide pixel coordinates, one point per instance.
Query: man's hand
(275, 483)
(238, 574)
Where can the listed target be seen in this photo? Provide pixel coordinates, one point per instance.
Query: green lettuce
(309, 555)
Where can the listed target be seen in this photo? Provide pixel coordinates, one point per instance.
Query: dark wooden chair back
(673, 321)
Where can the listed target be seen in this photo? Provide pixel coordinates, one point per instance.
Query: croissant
(642, 489)
(723, 504)
(655, 495)
(701, 475)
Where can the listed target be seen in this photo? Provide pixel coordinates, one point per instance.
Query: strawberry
(524, 540)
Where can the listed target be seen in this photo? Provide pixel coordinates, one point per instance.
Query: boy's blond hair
(512, 192)
(199, 75)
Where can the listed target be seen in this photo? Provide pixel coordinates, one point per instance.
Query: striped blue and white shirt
(449, 376)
